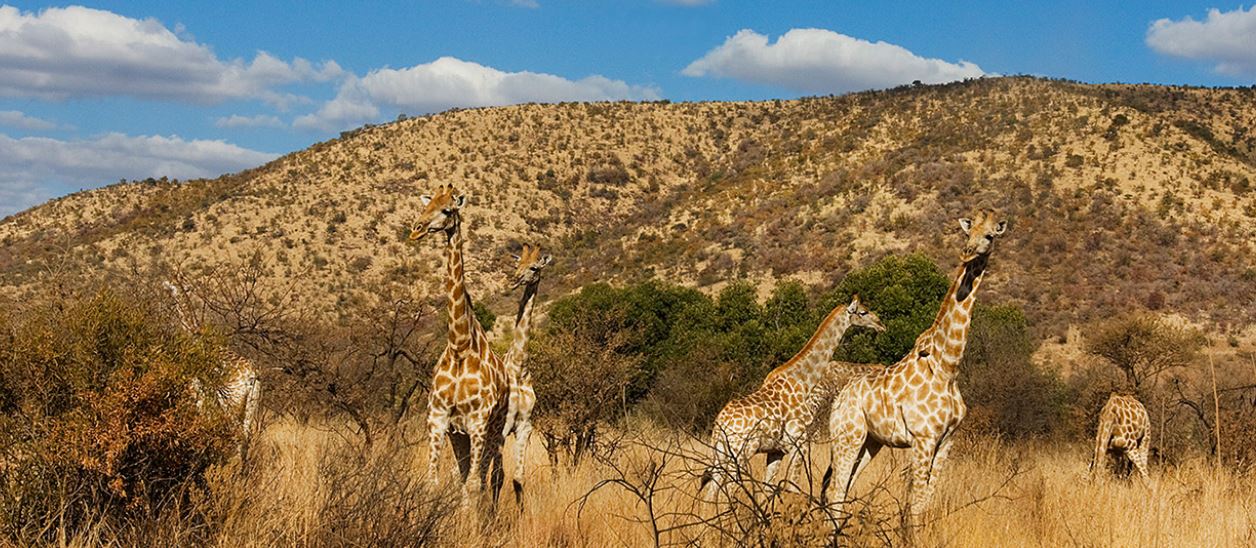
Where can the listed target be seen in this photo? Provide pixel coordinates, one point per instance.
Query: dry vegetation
(311, 487)
(723, 232)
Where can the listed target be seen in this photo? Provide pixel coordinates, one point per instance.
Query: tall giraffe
(528, 266)
(1124, 431)
(774, 419)
(914, 404)
(470, 384)
(241, 390)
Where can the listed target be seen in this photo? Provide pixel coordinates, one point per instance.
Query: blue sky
(90, 94)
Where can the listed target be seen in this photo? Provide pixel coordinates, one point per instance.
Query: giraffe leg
(437, 427)
(475, 476)
(523, 430)
(774, 459)
(1138, 456)
(251, 399)
(922, 457)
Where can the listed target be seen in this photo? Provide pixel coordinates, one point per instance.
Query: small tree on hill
(1142, 347)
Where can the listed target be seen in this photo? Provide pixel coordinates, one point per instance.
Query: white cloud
(823, 61)
(1226, 38)
(33, 169)
(238, 121)
(81, 52)
(16, 119)
(449, 82)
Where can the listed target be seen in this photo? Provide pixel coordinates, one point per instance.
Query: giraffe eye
(447, 211)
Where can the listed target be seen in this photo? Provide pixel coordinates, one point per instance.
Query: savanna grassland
(309, 488)
(696, 247)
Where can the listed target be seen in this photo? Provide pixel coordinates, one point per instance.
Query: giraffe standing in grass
(470, 383)
(1124, 432)
(914, 404)
(241, 390)
(774, 418)
(528, 266)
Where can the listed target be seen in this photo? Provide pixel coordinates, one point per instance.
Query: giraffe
(241, 391)
(774, 418)
(914, 404)
(470, 385)
(1124, 427)
(528, 266)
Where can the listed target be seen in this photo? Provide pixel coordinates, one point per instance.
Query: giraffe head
(440, 212)
(528, 266)
(981, 229)
(861, 315)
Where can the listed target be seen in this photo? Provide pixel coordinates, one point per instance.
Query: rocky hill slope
(1120, 197)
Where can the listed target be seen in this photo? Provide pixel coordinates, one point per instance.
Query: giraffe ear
(515, 257)
(1000, 228)
(966, 224)
(460, 200)
(426, 199)
(854, 305)
(547, 259)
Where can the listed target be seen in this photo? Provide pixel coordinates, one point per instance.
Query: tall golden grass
(313, 485)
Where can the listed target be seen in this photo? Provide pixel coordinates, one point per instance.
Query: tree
(905, 292)
(1143, 346)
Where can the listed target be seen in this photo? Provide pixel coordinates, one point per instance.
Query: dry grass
(991, 494)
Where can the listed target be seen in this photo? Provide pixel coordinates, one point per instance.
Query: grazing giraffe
(528, 266)
(774, 419)
(1124, 427)
(241, 391)
(470, 384)
(916, 402)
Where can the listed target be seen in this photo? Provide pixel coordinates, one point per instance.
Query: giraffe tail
(707, 476)
(1101, 444)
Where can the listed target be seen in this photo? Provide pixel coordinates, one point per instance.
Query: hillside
(1120, 197)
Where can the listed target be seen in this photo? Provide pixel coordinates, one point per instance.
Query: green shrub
(905, 292)
(1005, 393)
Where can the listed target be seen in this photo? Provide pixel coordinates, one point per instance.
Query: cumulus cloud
(238, 121)
(1227, 38)
(449, 82)
(16, 119)
(823, 61)
(33, 169)
(75, 51)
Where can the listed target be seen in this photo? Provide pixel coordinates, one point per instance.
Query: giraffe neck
(461, 320)
(185, 319)
(811, 365)
(945, 340)
(523, 327)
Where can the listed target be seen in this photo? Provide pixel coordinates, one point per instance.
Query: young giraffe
(914, 403)
(528, 266)
(241, 390)
(470, 384)
(1123, 427)
(774, 418)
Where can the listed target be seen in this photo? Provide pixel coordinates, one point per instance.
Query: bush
(906, 293)
(99, 422)
(1005, 393)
